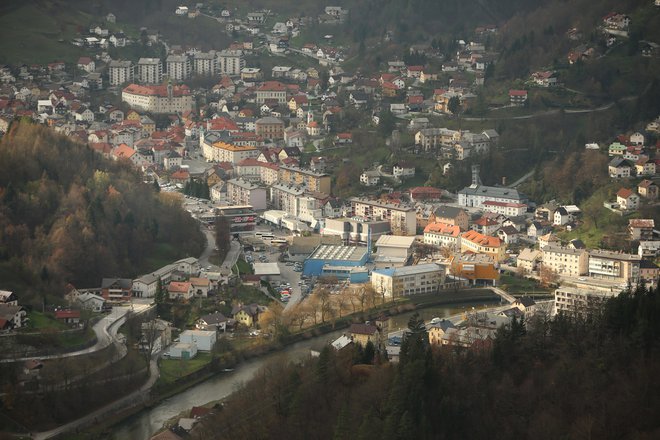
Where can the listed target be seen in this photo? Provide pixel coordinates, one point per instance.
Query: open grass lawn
(172, 369)
(249, 295)
(243, 267)
(40, 321)
(517, 285)
(30, 33)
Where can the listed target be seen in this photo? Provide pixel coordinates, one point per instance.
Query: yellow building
(313, 181)
(248, 315)
(364, 333)
(472, 241)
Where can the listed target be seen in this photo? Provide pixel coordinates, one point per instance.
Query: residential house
(91, 301)
(117, 289)
(508, 234)
(248, 315)
(648, 189)
(180, 290)
(620, 168)
(529, 259)
(403, 170)
(485, 225)
(561, 217)
(200, 286)
(537, 229)
(451, 216)
(518, 97)
(364, 333)
(214, 321)
(438, 330)
(68, 316)
(548, 239)
(641, 228)
(8, 297)
(645, 167)
(12, 316)
(370, 178)
(627, 199)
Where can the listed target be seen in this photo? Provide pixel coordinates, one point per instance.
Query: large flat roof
(266, 269)
(395, 241)
(339, 252)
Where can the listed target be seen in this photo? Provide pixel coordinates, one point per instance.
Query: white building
(231, 62)
(565, 261)
(149, 71)
(120, 72)
(203, 339)
(243, 192)
(393, 250)
(504, 208)
(403, 220)
(370, 178)
(579, 301)
(205, 63)
(224, 152)
(158, 99)
(408, 280)
(178, 67)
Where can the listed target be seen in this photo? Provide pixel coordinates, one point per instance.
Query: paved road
(105, 331)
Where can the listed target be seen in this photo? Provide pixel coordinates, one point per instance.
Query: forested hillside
(589, 377)
(69, 215)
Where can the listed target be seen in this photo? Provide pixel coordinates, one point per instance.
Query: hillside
(69, 215)
(572, 377)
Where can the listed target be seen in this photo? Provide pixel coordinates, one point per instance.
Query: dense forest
(573, 377)
(69, 215)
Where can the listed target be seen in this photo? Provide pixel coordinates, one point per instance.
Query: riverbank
(103, 425)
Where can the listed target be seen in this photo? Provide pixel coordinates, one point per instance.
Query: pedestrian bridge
(503, 294)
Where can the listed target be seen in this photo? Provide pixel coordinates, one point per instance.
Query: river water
(142, 425)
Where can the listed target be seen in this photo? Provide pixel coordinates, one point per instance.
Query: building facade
(408, 280)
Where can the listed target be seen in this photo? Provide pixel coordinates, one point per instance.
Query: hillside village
(264, 146)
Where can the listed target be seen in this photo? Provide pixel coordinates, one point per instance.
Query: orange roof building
(473, 241)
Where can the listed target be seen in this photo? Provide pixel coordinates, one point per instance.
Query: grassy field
(29, 33)
(164, 254)
(40, 321)
(173, 369)
(243, 267)
(517, 286)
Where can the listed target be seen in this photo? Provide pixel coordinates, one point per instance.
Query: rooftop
(339, 252)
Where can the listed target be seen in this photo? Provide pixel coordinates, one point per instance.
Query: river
(142, 425)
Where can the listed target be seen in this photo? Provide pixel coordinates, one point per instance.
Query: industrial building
(326, 256)
(356, 229)
(393, 251)
(408, 280)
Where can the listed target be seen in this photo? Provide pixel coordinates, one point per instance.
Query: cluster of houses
(633, 158)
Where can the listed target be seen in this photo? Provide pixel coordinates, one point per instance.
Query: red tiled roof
(517, 92)
(272, 86)
(161, 90)
(624, 193)
(443, 228)
(67, 314)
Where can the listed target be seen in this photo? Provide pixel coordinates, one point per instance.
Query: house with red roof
(180, 290)
(68, 316)
(518, 97)
(627, 199)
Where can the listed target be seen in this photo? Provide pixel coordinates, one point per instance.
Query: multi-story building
(230, 62)
(270, 128)
(285, 198)
(224, 152)
(442, 235)
(580, 301)
(403, 220)
(158, 99)
(356, 230)
(313, 181)
(120, 72)
(271, 90)
(408, 280)
(243, 192)
(451, 216)
(479, 269)
(149, 71)
(493, 247)
(504, 208)
(614, 266)
(178, 67)
(205, 63)
(565, 261)
(430, 138)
